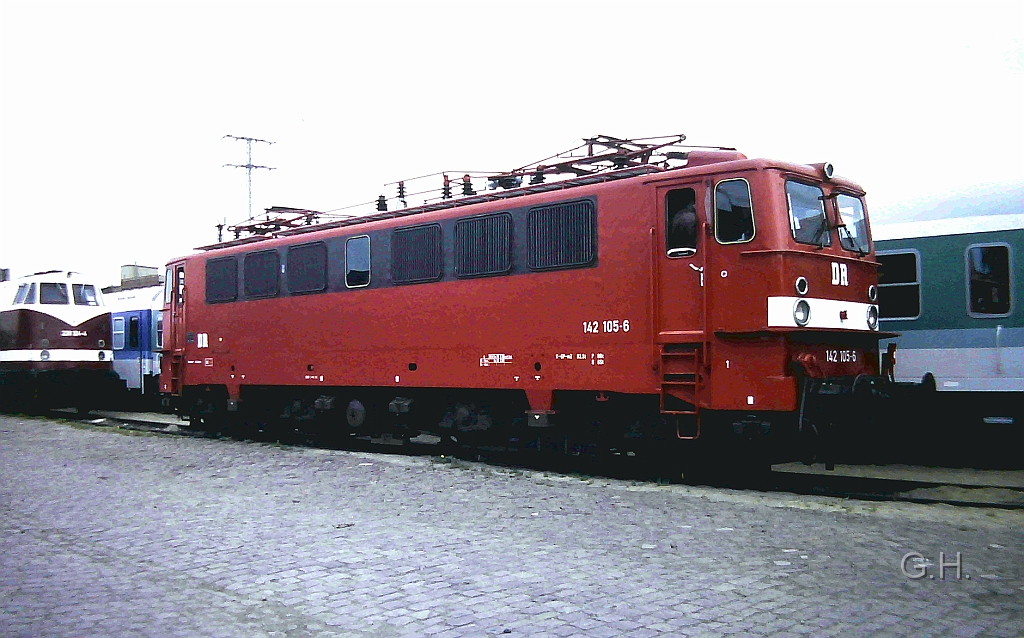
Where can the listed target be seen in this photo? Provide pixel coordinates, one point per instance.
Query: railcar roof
(951, 226)
(650, 172)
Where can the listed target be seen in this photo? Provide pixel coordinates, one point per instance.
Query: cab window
(807, 214)
(853, 234)
(734, 213)
(85, 295)
(56, 294)
(19, 297)
(681, 222)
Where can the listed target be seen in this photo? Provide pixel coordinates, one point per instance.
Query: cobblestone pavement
(107, 533)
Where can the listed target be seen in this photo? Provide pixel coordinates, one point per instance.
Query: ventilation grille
(561, 236)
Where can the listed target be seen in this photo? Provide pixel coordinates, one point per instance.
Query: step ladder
(177, 362)
(680, 378)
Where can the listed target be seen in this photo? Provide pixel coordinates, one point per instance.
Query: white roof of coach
(951, 226)
(150, 297)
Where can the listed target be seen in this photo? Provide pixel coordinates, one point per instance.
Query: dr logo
(840, 275)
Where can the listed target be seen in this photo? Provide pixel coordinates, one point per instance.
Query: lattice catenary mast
(248, 166)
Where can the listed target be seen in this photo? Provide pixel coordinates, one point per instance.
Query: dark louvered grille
(483, 245)
(561, 236)
(416, 254)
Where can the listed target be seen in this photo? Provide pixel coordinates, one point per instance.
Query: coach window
(85, 295)
(261, 274)
(133, 332)
(561, 236)
(807, 214)
(307, 268)
(734, 213)
(483, 245)
(416, 254)
(118, 333)
(681, 222)
(853, 234)
(357, 262)
(899, 285)
(53, 294)
(159, 330)
(988, 280)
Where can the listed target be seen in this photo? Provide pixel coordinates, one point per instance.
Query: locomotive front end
(824, 304)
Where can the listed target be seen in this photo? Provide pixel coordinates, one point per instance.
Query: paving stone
(202, 537)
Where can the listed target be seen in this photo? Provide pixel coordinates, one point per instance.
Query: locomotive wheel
(355, 414)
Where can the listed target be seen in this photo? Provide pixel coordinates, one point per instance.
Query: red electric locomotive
(728, 302)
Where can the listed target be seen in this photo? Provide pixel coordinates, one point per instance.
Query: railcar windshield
(853, 234)
(807, 214)
(53, 294)
(85, 295)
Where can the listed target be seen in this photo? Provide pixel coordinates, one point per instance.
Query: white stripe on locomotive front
(56, 355)
(825, 313)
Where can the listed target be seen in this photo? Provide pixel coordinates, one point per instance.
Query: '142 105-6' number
(609, 325)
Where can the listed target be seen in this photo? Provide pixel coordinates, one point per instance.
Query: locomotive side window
(180, 277)
(899, 285)
(561, 236)
(357, 262)
(56, 294)
(85, 295)
(416, 254)
(133, 332)
(988, 280)
(169, 286)
(807, 214)
(261, 274)
(853, 234)
(307, 268)
(30, 296)
(118, 333)
(681, 222)
(221, 280)
(22, 293)
(483, 245)
(734, 214)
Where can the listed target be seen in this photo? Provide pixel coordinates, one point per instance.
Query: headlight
(44, 355)
(872, 293)
(801, 286)
(802, 312)
(872, 317)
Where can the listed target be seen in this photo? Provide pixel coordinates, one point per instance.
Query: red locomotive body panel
(704, 328)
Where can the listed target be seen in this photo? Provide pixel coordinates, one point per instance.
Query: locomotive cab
(786, 324)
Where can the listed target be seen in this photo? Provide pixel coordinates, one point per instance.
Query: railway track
(1002, 490)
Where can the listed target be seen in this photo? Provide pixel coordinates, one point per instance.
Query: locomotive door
(679, 255)
(174, 303)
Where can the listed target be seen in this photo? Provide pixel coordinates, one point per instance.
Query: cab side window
(681, 222)
(357, 262)
(734, 212)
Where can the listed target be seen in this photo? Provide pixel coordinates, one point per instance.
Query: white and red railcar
(719, 301)
(55, 342)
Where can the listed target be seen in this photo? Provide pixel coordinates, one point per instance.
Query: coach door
(679, 255)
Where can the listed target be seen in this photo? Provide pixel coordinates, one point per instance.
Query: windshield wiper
(853, 242)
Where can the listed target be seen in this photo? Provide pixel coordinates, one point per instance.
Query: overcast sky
(112, 115)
